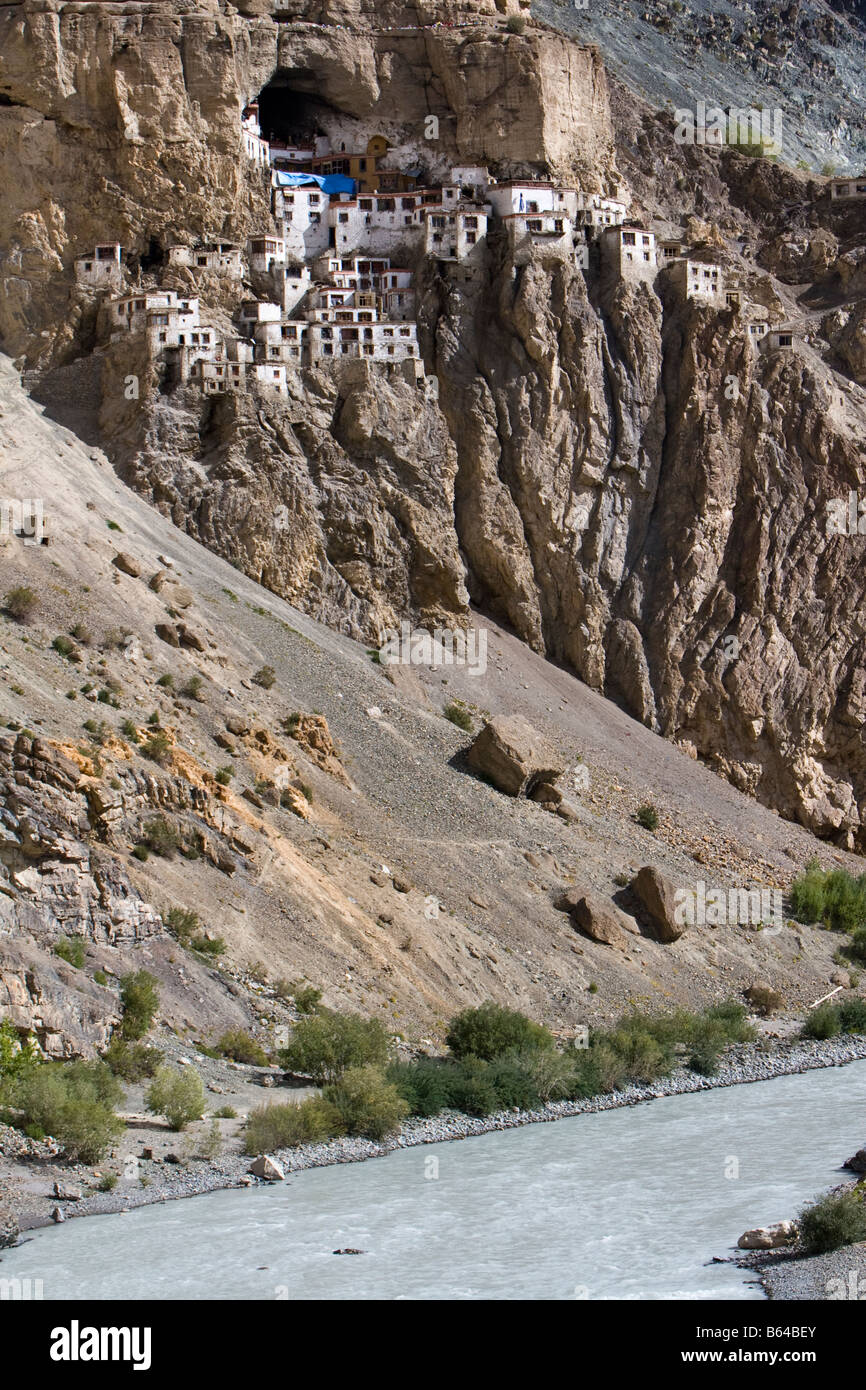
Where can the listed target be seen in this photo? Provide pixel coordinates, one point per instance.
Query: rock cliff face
(606, 468)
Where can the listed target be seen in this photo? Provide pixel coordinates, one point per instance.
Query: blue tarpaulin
(329, 183)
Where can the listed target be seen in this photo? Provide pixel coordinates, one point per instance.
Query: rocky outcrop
(513, 756)
(769, 1237)
(857, 1162)
(606, 469)
(599, 921)
(657, 896)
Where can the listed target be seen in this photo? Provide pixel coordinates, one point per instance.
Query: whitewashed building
(452, 234)
(101, 268)
(595, 212)
(698, 279)
(302, 213)
(376, 342)
(255, 148)
(532, 197)
(220, 258)
(629, 251)
(550, 233)
(848, 188)
(130, 313)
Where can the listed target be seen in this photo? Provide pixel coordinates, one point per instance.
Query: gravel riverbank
(168, 1182)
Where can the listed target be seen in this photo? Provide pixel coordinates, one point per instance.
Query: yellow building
(365, 168)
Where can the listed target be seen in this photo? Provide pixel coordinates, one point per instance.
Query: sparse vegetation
(185, 925)
(647, 816)
(515, 24)
(178, 1095)
(158, 747)
(64, 646)
(72, 951)
(491, 1030)
(326, 1044)
(140, 1000)
(131, 1061)
(224, 775)
(367, 1103)
(833, 1221)
(266, 677)
(833, 897)
(162, 837)
(192, 688)
(829, 1020)
(239, 1046)
(285, 1126)
(21, 603)
(75, 1102)
(458, 714)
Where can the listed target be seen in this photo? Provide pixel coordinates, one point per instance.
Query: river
(630, 1203)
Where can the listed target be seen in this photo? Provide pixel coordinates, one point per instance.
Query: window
(628, 238)
(88, 265)
(163, 337)
(344, 217)
(786, 340)
(366, 203)
(327, 350)
(314, 199)
(646, 255)
(470, 240)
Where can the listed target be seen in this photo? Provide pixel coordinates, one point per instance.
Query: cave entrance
(290, 107)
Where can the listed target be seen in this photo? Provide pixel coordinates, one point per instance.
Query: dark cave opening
(289, 106)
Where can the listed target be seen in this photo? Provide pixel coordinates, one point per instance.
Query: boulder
(658, 897)
(267, 1168)
(8, 1228)
(514, 756)
(599, 921)
(167, 633)
(857, 1163)
(769, 1237)
(127, 564)
(66, 1193)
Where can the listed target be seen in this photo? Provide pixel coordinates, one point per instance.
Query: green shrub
(238, 1046)
(367, 1103)
(131, 1061)
(140, 1001)
(128, 728)
(18, 1058)
(162, 837)
(834, 1220)
(166, 680)
(100, 977)
(158, 747)
(285, 1126)
(554, 1075)
(647, 816)
(821, 1023)
(422, 1083)
(852, 1016)
(177, 1094)
(192, 688)
(20, 603)
(643, 1056)
(226, 1112)
(707, 1046)
(734, 1018)
(305, 997)
(470, 1088)
(224, 775)
(490, 1030)
(73, 952)
(512, 1084)
(64, 646)
(807, 894)
(75, 1103)
(108, 1182)
(857, 945)
(458, 715)
(141, 852)
(515, 24)
(266, 677)
(325, 1044)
